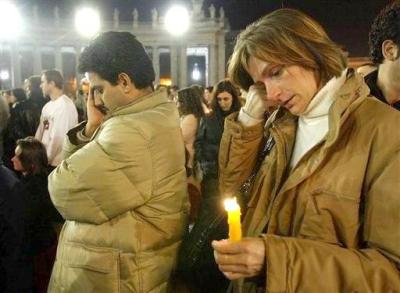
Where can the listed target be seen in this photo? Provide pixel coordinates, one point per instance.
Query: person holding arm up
(322, 213)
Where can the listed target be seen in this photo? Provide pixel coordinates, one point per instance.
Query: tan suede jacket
(332, 224)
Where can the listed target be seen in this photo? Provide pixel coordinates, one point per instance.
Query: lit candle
(233, 209)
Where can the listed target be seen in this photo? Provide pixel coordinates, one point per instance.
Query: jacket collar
(346, 99)
(143, 103)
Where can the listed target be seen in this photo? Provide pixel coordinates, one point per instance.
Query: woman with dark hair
(31, 160)
(196, 261)
(191, 111)
(35, 93)
(208, 94)
(18, 95)
(225, 100)
(23, 122)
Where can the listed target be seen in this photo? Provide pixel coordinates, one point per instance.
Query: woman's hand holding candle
(243, 259)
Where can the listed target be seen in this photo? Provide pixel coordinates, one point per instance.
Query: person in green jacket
(121, 188)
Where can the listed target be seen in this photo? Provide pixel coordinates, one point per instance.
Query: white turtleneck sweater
(313, 124)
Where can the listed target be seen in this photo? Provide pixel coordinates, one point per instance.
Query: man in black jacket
(384, 42)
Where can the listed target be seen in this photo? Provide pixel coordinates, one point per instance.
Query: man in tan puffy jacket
(121, 188)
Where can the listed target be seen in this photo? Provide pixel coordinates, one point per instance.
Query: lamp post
(177, 23)
(11, 26)
(177, 20)
(10, 21)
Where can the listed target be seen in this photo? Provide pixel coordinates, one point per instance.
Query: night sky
(347, 21)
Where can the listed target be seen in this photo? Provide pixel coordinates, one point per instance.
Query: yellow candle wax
(235, 228)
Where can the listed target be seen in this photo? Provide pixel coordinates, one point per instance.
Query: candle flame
(231, 204)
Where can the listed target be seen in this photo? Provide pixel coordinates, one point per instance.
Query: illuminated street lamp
(4, 75)
(177, 20)
(10, 20)
(87, 22)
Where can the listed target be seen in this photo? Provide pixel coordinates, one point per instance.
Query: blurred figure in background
(16, 266)
(9, 98)
(173, 92)
(58, 116)
(30, 160)
(19, 124)
(384, 44)
(34, 92)
(207, 95)
(191, 111)
(200, 94)
(203, 275)
(4, 115)
(81, 99)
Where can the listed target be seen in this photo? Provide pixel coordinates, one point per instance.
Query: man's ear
(390, 50)
(125, 82)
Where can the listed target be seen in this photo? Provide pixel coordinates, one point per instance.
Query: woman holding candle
(322, 214)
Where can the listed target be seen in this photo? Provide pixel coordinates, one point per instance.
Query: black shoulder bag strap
(248, 183)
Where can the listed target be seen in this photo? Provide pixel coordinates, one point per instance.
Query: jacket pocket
(332, 218)
(88, 269)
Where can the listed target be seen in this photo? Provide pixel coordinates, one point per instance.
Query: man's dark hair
(54, 76)
(386, 26)
(113, 53)
(33, 155)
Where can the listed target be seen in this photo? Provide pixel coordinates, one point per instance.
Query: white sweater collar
(322, 101)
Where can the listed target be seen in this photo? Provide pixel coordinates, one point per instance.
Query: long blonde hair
(286, 37)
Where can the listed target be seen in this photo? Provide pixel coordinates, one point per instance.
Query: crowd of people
(123, 192)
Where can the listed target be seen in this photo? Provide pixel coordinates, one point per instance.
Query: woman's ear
(390, 50)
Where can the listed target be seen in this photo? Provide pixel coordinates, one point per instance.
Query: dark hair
(190, 102)
(386, 26)
(209, 88)
(19, 94)
(225, 86)
(35, 91)
(33, 155)
(113, 53)
(200, 91)
(54, 76)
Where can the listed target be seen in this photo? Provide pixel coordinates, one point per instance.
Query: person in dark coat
(31, 160)
(35, 95)
(15, 263)
(204, 275)
(24, 120)
(225, 100)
